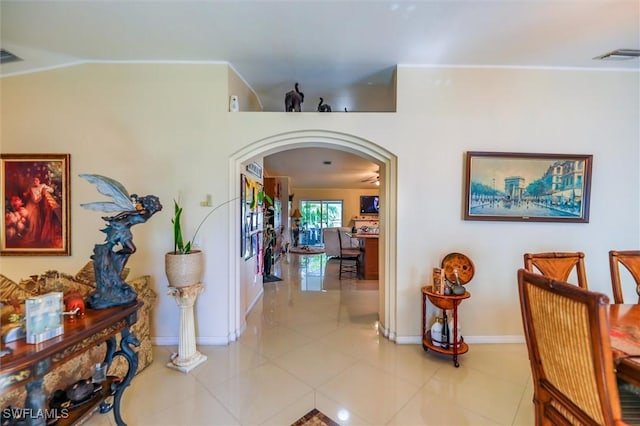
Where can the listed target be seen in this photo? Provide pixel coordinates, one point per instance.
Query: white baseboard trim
(518, 338)
(165, 341)
(401, 340)
(212, 341)
(175, 341)
(235, 336)
(417, 340)
(385, 332)
(254, 301)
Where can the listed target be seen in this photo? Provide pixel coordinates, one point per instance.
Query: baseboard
(401, 340)
(165, 341)
(417, 340)
(254, 301)
(386, 332)
(205, 341)
(212, 341)
(518, 338)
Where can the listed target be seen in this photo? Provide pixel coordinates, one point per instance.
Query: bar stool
(349, 258)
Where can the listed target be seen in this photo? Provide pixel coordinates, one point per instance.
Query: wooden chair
(558, 265)
(630, 259)
(349, 258)
(567, 334)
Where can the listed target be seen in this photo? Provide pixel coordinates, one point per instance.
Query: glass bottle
(436, 332)
(445, 330)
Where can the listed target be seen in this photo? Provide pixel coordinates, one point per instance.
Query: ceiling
(307, 169)
(329, 46)
(337, 49)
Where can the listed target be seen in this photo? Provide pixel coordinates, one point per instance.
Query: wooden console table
(29, 363)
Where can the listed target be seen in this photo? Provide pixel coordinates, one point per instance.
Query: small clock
(457, 262)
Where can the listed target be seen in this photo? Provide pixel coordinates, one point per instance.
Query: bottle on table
(445, 330)
(436, 332)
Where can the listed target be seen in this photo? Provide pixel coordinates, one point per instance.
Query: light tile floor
(312, 342)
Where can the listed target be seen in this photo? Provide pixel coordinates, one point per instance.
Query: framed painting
(507, 186)
(246, 197)
(254, 221)
(36, 197)
(255, 243)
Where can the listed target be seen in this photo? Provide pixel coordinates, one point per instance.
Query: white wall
(250, 281)
(165, 130)
(450, 111)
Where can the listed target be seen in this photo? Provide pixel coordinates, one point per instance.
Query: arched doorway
(388, 218)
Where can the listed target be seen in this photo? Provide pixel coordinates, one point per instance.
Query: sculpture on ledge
(110, 258)
(293, 100)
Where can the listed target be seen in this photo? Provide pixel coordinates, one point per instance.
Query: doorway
(388, 218)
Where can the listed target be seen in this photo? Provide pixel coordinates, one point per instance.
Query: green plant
(182, 247)
(178, 243)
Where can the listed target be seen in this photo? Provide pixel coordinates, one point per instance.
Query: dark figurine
(293, 100)
(322, 107)
(80, 390)
(110, 258)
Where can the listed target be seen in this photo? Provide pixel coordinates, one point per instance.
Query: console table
(29, 363)
(369, 247)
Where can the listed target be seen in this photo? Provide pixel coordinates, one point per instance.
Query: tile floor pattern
(311, 342)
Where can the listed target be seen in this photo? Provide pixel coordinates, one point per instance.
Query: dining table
(624, 329)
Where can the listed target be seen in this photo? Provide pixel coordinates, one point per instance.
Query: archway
(388, 218)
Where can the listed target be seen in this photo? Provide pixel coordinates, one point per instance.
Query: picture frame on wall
(255, 243)
(36, 198)
(254, 221)
(243, 214)
(246, 216)
(527, 187)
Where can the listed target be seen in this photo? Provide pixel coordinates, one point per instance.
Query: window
(317, 215)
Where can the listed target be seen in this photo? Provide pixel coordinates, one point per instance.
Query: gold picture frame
(36, 199)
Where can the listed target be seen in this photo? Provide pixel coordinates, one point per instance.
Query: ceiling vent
(619, 55)
(6, 57)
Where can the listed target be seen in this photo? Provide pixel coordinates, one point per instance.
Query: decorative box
(438, 281)
(43, 317)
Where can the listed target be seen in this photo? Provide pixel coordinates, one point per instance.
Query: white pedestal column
(187, 357)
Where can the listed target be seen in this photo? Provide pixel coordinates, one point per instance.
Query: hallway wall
(165, 130)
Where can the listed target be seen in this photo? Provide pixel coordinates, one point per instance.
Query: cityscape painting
(508, 186)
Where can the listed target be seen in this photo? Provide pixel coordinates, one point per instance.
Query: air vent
(619, 55)
(6, 57)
